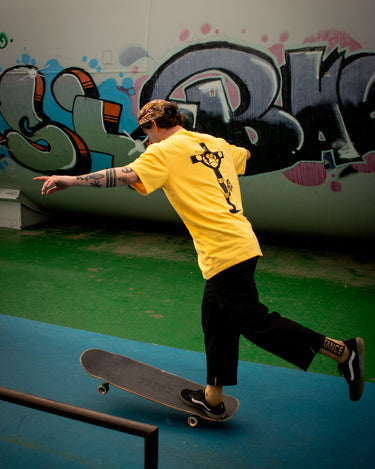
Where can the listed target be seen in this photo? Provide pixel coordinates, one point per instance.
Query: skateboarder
(199, 175)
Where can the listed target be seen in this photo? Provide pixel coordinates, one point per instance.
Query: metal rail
(150, 433)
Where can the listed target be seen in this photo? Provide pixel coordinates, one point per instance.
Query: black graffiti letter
(204, 72)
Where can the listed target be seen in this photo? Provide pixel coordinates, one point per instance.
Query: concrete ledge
(17, 212)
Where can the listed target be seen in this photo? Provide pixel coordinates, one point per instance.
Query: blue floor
(287, 419)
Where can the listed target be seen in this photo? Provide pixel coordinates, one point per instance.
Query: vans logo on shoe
(350, 365)
(195, 401)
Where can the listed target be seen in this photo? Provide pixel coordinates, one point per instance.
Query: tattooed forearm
(92, 179)
(111, 177)
(125, 171)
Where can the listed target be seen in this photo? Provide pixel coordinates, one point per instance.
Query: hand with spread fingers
(55, 183)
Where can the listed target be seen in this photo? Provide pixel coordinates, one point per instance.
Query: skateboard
(148, 382)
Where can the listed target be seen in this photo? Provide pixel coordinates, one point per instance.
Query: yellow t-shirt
(198, 173)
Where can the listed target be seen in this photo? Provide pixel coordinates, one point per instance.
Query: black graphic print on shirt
(213, 161)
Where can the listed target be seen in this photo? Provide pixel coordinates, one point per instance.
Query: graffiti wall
(292, 81)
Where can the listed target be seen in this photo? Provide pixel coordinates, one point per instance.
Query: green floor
(142, 282)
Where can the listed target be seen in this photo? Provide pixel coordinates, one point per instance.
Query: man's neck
(165, 133)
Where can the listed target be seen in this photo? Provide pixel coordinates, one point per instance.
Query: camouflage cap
(154, 109)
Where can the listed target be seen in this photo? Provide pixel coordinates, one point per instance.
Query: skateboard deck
(148, 382)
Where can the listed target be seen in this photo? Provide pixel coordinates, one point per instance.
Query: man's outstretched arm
(111, 177)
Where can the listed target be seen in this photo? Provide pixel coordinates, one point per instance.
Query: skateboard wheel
(193, 421)
(103, 388)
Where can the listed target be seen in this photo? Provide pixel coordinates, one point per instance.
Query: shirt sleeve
(151, 169)
(239, 155)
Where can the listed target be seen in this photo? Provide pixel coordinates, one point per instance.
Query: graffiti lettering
(311, 126)
(357, 100)
(50, 147)
(256, 81)
(35, 141)
(319, 110)
(95, 121)
(315, 109)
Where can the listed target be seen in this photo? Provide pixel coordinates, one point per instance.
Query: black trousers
(231, 307)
